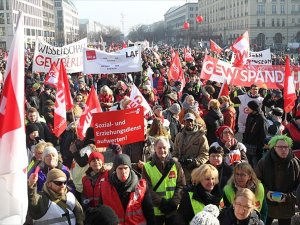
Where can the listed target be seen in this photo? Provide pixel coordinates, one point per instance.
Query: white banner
(261, 57)
(124, 61)
(137, 99)
(71, 55)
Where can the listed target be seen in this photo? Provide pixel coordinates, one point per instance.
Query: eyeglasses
(60, 183)
(244, 207)
(282, 147)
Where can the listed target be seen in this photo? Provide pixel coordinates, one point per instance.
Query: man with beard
(190, 146)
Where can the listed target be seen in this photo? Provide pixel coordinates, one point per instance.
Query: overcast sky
(135, 12)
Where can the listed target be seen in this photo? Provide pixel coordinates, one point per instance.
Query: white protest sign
(124, 61)
(45, 54)
(261, 57)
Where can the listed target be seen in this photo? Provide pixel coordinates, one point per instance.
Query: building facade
(67, 22)
(91, 30)
(33, 21)
(49, 21)
(270, 23)
(174, 19)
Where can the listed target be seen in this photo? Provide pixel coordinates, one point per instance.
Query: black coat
(213, 120)
(227, 217)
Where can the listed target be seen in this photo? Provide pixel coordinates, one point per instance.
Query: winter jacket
(281, 175)
(213, 120)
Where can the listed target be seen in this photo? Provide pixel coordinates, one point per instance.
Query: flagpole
(75, 122)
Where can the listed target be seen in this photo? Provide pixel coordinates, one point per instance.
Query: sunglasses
(60, 183)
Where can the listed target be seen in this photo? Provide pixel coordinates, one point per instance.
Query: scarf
(206, 197)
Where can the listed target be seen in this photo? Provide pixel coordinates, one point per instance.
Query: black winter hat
(277, 111)
(253, 105)
(122, 159)
(101, 215)
(31, 127)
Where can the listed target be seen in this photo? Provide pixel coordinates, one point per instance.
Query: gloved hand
(163, 207)
(167, 206)
(171, 205)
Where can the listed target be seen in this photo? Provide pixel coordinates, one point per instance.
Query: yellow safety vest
(167, 188)
(196, 205)
(259, 197)
(235, 94)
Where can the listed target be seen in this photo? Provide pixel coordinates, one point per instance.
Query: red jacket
(93, 193)
(134, 213)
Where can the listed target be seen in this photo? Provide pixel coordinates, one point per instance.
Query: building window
(7, 18)
(191, 8)
(28, 32)
(7, 4)
(283, 22)
(2, 19)
(191, 15)
(273, 23)
(282, 9)
(278, 22)
(1, 4)
(293, 20)
(258, 22)
(273, 9)
(2, 31)
(260, 9)
(263, 23)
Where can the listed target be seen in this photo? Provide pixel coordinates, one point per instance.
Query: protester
(208, 216)
(166, 181)
(245, 177)
(95, 174)
(172, 115)
(190, 146)
(106, 98)
(128, 196)
(102, 214)
(280, 165)
(55, 204)
(242, 210)
(216, 158)
(228, 111)
(204, 190)
(234, 151)
(36, 160)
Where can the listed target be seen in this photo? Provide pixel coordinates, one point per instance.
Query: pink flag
(224, 89)
(289, 93)
(241, 48)
(92, 106)
(60, 109)
(13, 154)
(52, 76)
(214, 47)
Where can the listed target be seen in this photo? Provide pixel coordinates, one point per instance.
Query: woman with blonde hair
(243, 210)
(228, 111)
(106, 98)
(205, 190)
(213, 120)
(244, 177)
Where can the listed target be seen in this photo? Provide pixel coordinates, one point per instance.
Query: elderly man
(166, 181)
(279, 171)
(55, 205)
(190, 146)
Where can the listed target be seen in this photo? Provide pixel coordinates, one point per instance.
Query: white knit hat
(48, 150)
(208, 216)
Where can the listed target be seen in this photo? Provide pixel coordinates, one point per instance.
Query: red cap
(97, 155)
(220, 130)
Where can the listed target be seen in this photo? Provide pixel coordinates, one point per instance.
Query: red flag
(92, 106)
(65, 80)
(187, 55)
(241, 48)
(124, 45)
(214, 47)
(224, 89)
(172, 53)
(289, 93)
(13, 154)
(60, 108)
(175, 71)
(52, 76)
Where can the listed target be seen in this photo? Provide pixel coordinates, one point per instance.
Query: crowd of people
(205, 159)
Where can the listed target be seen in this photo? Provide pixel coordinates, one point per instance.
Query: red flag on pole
(52, 76)
(241, 48)
(60, 108)
(224, 89)
(214, 47)
(175, 72)
(92, 106)
(68, 97)
(187, 55)
(13, 154)
(289, 93)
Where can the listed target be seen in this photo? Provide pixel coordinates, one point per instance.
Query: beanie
(277, 93)
(122, 159)
(96, 155)
(56, 175)
(175, 108)
(254, 106)
(215, 150)
(48, 150)
(220, 130)
(101, 215)
(31, 127)
(207, 217)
